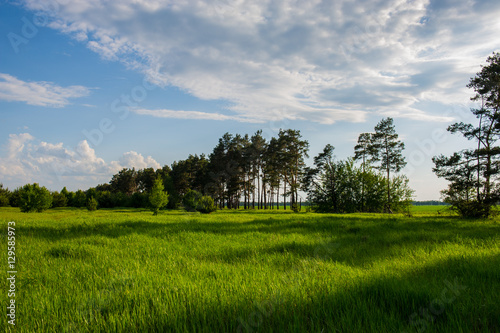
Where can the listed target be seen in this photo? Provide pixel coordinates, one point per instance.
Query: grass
(125, 270)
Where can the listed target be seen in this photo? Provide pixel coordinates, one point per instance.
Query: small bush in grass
(191, 200)
(158, 198)
(206, 205)
(34, 198)
(92, 204)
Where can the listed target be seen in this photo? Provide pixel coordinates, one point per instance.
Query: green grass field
(125, 270)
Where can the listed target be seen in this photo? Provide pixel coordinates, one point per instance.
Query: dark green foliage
(59, 200)
(91, 204)
(139, 199)
(191, 199)
(34, 198)
(206, 205)
(4, 196)
(146, 179)
(15, 198)
(79, 200)
(68, 195)
(105, 199)
(125, 182)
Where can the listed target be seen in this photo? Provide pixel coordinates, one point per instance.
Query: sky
(88, 87)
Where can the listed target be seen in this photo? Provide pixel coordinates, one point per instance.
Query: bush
(158, 198)
(92, 204)
(191, 200)
(34, 198)
(206, 205)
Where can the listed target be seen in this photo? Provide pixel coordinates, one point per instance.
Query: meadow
(124, 270)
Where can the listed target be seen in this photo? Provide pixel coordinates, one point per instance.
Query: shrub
(191, 200)
(34, 198)
(91, 204)
(206, 205)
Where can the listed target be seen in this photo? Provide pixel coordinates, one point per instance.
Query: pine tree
(158, 197)
(386, 149)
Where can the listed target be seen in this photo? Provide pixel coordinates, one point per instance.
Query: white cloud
(133, 159)
(38, 93)
(179, 114)
(30, 160)
(316, 60)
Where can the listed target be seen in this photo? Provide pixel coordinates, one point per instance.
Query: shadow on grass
(440, 297)
(351, 240)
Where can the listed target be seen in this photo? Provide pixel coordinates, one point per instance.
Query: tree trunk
(284, 195)
(278, 195)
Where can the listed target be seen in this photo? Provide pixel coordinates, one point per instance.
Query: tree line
(251, 172)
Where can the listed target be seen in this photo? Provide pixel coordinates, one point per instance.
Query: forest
(251, 172)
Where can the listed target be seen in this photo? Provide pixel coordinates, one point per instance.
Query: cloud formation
(38, 93)
(179, 114)
(323, 61)
(28, 159)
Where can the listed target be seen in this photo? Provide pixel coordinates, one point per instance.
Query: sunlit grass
(128, 271)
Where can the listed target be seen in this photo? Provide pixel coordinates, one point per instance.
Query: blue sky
(90, 87)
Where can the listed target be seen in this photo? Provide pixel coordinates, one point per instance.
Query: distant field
(125, 270)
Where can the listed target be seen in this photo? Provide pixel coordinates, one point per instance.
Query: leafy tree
(145, 179)
(191, 199)
(158, 197)
(59, 200)
(4, 196)
(79, 200)
(173, 198)
(386, 149)
(34, 198)
(15, 197)
(336, 186)
(91, 204)
(125, 182)
(191, 173)
(68, 195)
(473, 173)
(105, 199)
